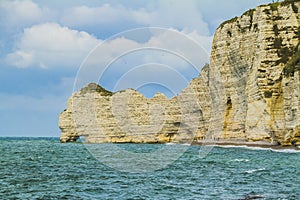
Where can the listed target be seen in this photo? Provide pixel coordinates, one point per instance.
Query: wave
(239, 160)
(170, 143)
(274, 150)
(251, 171)
(286, 150)
(184, 144)
(259, 148)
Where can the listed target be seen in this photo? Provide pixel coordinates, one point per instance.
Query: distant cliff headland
(249, 93)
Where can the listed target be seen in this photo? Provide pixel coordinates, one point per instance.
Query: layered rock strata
(249, 92)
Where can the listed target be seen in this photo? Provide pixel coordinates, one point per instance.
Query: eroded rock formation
(249, 92)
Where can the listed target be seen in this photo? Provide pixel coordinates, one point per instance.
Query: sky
(48, 49)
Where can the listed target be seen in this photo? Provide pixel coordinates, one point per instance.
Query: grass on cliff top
(249, 12)
(274, 6)
(228, 22)
(288, 2)
(94, 87)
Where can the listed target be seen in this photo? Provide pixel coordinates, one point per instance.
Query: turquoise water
(36, 168)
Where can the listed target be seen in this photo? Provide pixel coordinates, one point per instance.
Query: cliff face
(249, 92)
(127, 116)
(252, 56)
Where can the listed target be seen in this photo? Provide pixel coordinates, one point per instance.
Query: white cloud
(204, 41)
(166, 14)
(21, 13)
(103, 15)
(182, 15)
(165, 47)
(51, 45)
(21, 59)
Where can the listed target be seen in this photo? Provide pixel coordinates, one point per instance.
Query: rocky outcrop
(127, 116)
(249, 92)
(252, 56)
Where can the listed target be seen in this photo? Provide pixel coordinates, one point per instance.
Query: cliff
(248, 93)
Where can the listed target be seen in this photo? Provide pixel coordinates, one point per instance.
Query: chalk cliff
(249, 91)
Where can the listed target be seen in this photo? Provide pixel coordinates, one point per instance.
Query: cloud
(166, 14)
(51, 45)
(183, 15)
(22, 13)
(58, 35)
(56, 46)
(105, 20)
(216, 11)
(116, 58)
(103, 15)
(21, 58)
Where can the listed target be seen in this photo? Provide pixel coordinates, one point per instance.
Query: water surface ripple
(42, 168)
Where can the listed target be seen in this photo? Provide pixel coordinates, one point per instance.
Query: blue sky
(43, 43)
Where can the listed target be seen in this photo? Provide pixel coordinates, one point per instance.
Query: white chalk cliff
(249, 92)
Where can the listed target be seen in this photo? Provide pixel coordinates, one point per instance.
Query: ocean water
(42, 168)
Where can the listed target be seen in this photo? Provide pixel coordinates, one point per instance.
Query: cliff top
(272, 7)
(94, 87)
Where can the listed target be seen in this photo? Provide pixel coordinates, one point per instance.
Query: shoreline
(259, 144)
(217, 143)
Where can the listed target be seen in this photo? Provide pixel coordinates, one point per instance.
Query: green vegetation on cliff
(290, 67)
(273, 7)
(93, 87)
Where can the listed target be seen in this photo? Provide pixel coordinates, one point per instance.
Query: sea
(43, 168)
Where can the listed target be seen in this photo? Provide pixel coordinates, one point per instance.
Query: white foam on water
(286, 150)
(274, 150)
(185, 144)
(170, 143)
(251, 171)
(258, 148)
(240, 160)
